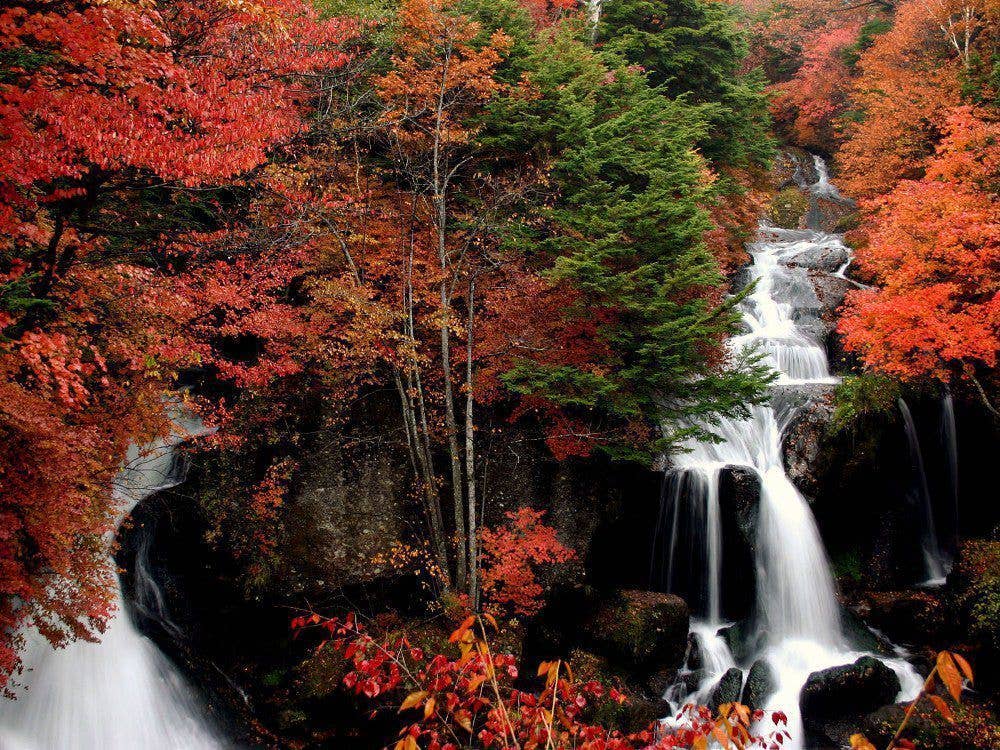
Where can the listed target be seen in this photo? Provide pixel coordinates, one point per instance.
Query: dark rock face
(833, 700)
(759, 685)
(805, 441)
(347, 514)
(912, 617)
(647, 630)
(739, 504)
(727, 689)
(739, 494)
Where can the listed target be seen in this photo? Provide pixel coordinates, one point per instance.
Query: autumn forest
(499, 374)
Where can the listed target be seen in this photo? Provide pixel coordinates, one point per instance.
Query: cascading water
(949, 435)
(935, 560)
(120, 693)
(797, 619)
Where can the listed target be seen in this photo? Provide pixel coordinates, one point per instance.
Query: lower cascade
(796, 625)
(121, 693)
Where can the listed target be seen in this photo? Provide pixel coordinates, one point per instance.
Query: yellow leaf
(429, 708)
(413, 700)
(860, 742)
(949, 675)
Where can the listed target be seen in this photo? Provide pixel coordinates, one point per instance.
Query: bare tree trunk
(432, 506)
(451, 424)
(440, 184)
(470, 455)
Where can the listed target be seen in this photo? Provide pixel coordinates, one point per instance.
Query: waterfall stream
(797, 622)
(120, 693)
(934, 558)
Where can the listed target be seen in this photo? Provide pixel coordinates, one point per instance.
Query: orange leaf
(700, 743)
(949, 675)
(943, 708)
(463, 720)
(860, 742)
(491, 620)
(429, 708)
(543, 668)
(413, 700)
(721, 735)
(963, 665)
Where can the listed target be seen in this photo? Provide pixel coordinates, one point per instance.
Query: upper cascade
(796, 622)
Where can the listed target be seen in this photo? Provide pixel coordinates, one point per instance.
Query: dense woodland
(428, 227)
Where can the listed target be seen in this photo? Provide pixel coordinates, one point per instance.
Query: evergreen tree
(694, 49)
(623, 225)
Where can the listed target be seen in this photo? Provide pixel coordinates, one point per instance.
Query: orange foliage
(810, 103)
(907, 86)
(934, 247)
(509, 556)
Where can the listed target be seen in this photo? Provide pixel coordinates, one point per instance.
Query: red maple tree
(118, 117)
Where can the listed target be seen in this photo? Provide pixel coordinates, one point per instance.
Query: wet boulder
(834, 700)
(830, 293)
(861, 637)
(646, 630)
(741, 638)
(727, 689)
(826, 256)
(759, 686)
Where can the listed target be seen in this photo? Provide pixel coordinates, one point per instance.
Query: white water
(823, 187)
(797, 618)
(120, 693)
(935, 560)
(949, 435)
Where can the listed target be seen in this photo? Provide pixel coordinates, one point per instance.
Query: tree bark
(470, 455)
(440, 187)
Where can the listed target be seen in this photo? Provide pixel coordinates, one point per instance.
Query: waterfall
(823, 187)
(700, 558)
(797, 618)
(121, 693)
(934, 558)
(949, 435)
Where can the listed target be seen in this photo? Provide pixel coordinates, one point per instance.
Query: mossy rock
(646, 630)
(788, 207)
(760, 684)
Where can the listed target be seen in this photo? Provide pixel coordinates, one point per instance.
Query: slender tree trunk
(432, 506)
(470, 455)
(451, 425)
(420, 444)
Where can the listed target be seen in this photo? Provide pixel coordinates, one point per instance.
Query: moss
(862, 396)
(847, 567)
(787, 207)
(978, 582)
(848, 222)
